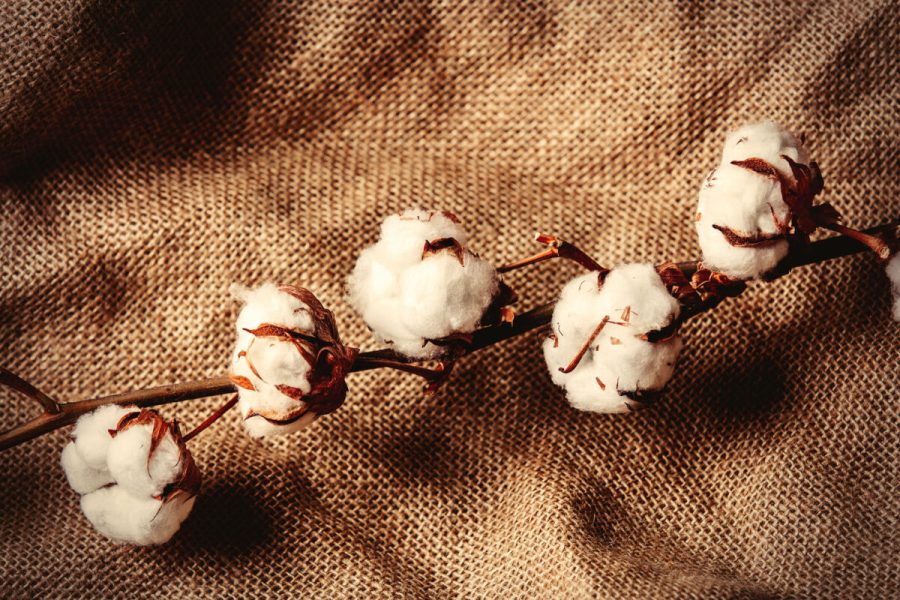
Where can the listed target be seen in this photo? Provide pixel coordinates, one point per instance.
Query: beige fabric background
(151, 153)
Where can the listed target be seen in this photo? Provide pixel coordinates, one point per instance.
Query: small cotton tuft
(893, 273)
(420, 283)
(742, 218)
(619, 367)
(137, 480)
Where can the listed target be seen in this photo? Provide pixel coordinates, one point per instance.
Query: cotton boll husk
(126, 518)
(82, 477)
(636, 302)
(893, 273)
(130, 463)
(258, 427)
(766, 140)
(744, 202)
(91, 433)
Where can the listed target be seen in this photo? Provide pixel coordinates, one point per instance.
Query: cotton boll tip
(765, 140)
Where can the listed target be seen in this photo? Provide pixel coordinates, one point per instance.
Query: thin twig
(816, 252)
(215, 416)
(584, 347)
(366, 362)
(556, 248)
(11, 380)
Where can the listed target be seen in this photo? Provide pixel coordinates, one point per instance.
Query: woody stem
(66, 413)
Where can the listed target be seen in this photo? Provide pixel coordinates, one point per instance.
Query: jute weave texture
(152, 153)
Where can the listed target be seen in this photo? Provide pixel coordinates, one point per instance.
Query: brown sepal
(497, 311)
(242, 382)
(444, 245)
(760, 166)
(748, 240)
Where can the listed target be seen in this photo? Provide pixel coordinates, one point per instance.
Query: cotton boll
(410, 292)
(135, 468)
(618, 364)
(82, 477)
(766, 140)
(269, 362)
(126, 518)
(148, 480)
(893, 273)
(91, 433)
(281, 332)
(749, 205)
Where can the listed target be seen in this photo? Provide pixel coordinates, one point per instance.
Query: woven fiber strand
(152, 153)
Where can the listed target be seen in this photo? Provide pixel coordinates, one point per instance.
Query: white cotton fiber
(747, 203)
(269, 362)
(893, 273)
(130, 496)
(91, 433)
(142, 520)
(619, 364)
(133, 468)
(82, 477)
(408, 297)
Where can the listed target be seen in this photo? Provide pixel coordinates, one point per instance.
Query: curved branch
(13, 381)
(67, 413)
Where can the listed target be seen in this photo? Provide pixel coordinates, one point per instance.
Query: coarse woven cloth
(152, 153)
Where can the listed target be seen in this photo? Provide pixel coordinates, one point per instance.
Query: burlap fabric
(151, 153)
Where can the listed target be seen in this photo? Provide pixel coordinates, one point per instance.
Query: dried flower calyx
(703, 290)
(604, 347)
(137, 478)
(289, 363)
(421, 290)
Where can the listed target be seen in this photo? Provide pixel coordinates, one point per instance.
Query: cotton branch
(57, 415)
